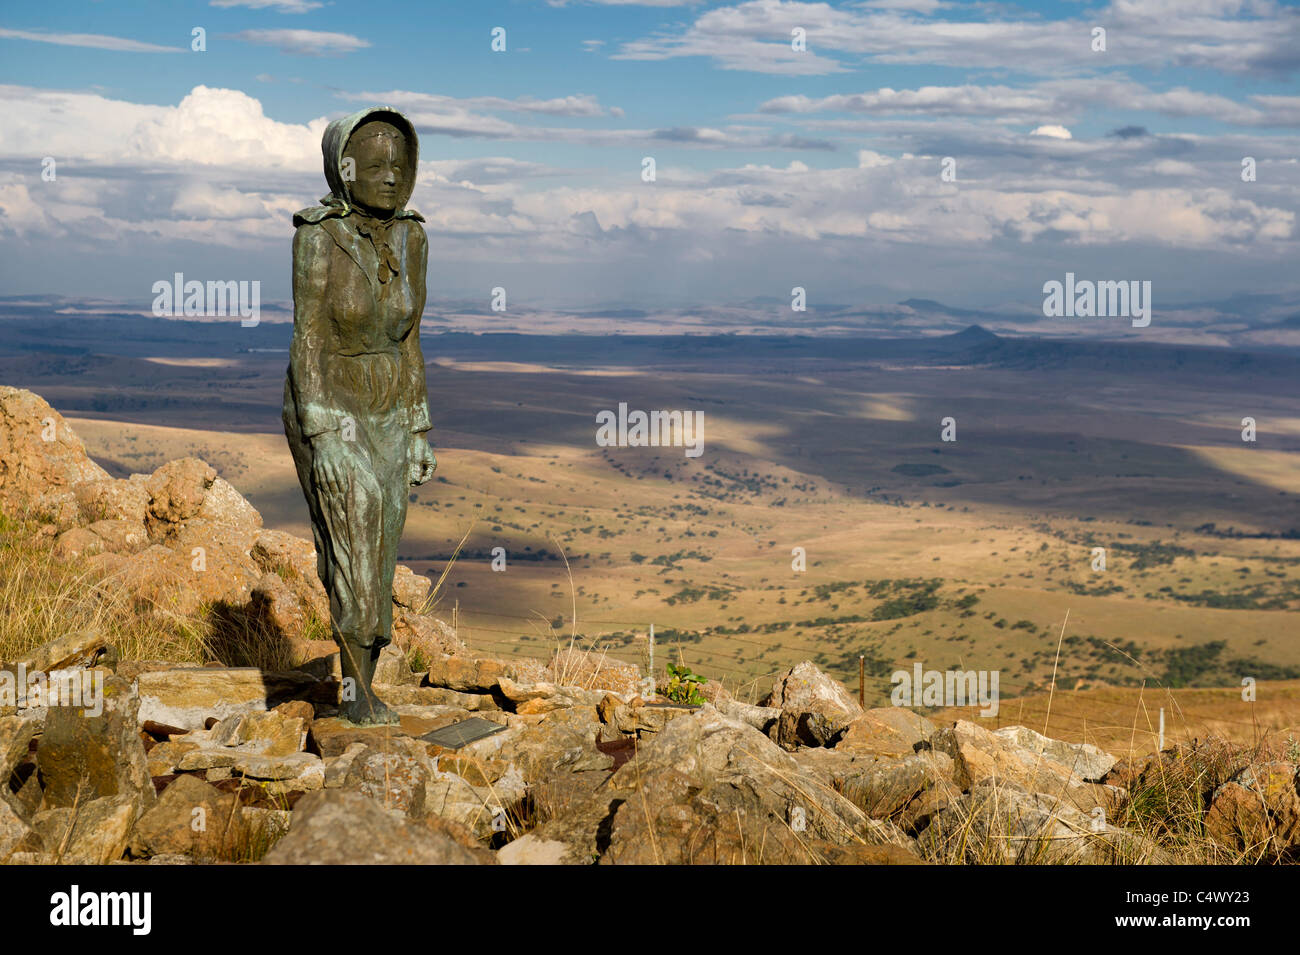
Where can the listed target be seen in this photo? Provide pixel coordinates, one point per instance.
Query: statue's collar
(336, 207)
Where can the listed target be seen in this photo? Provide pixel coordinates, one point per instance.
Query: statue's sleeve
(415, 390)
(311, 251)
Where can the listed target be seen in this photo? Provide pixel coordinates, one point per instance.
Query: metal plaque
(456, 735)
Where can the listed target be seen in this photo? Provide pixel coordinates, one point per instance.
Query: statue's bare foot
(372, 712)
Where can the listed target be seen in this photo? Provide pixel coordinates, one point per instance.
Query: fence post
(650, 675)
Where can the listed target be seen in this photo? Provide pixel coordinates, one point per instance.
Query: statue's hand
(423, 463)
(329, 467)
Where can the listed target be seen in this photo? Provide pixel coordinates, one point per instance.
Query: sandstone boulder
(41, 459)
(337, 827)
(94, 833)
(815, 709)
(1258, 811)
(187, 697)
(83, 757)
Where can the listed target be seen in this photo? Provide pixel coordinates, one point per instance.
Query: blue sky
(776, 167)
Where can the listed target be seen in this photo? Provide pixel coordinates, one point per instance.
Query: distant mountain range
(56, 334)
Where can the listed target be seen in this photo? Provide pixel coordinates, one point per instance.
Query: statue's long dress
(355, 367)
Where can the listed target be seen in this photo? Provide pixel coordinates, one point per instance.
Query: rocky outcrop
(335, 827)
(182, 540)
(815, 710)
(1258, 811)
(41, 460)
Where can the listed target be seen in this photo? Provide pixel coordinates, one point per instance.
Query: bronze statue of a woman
(355, 400)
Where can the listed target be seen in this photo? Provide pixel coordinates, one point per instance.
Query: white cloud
(1053, 132)
(96, 41)
(304, 42)
(1241, 38)
(280, 6)
(202, 200)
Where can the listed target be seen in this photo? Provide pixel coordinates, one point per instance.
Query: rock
(263, 828)
(200, 566)
(428, 635)
(595, 671)
(545, 697)
(222, 504)
(1257, 811)
(94, 833)
(205, 757)
(639, 719)
(887, 731)
(816, 709)
(296, 594)
(392, 668)
(297, 709)
(860, 854)
(193, 818)
(83, 757)
(280, 606)
(78, 542)
(211, 564)
(332, 737)
(16, 734)
(303, 772)
(320, 660)
(710, 789)
(762, 718)
(1083, 760)
(337, 767)
(393, 780)
(1002, 824)
(27, 801)
(919, 813)
(529, 850)
(979, 755)
(112, 499)
(564, 742)
(468, 675)
(478, 772)
(338, 827)
(883, 788)
(263, 733)
(41, 459)
(482, 812)
(165, 758)
(188, 696)
(121, 536)
(290, 558)
(14, 832)
(437, 696)
(177, 490)
(71, 651)
(410, 590)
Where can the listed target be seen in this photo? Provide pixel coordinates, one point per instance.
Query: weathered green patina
(355, 400)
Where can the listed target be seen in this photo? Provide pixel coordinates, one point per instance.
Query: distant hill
(134, 336)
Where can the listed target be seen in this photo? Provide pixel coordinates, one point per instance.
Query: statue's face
(381, 174)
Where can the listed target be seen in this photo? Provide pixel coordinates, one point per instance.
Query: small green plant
(1292, 748)
(684, 686)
